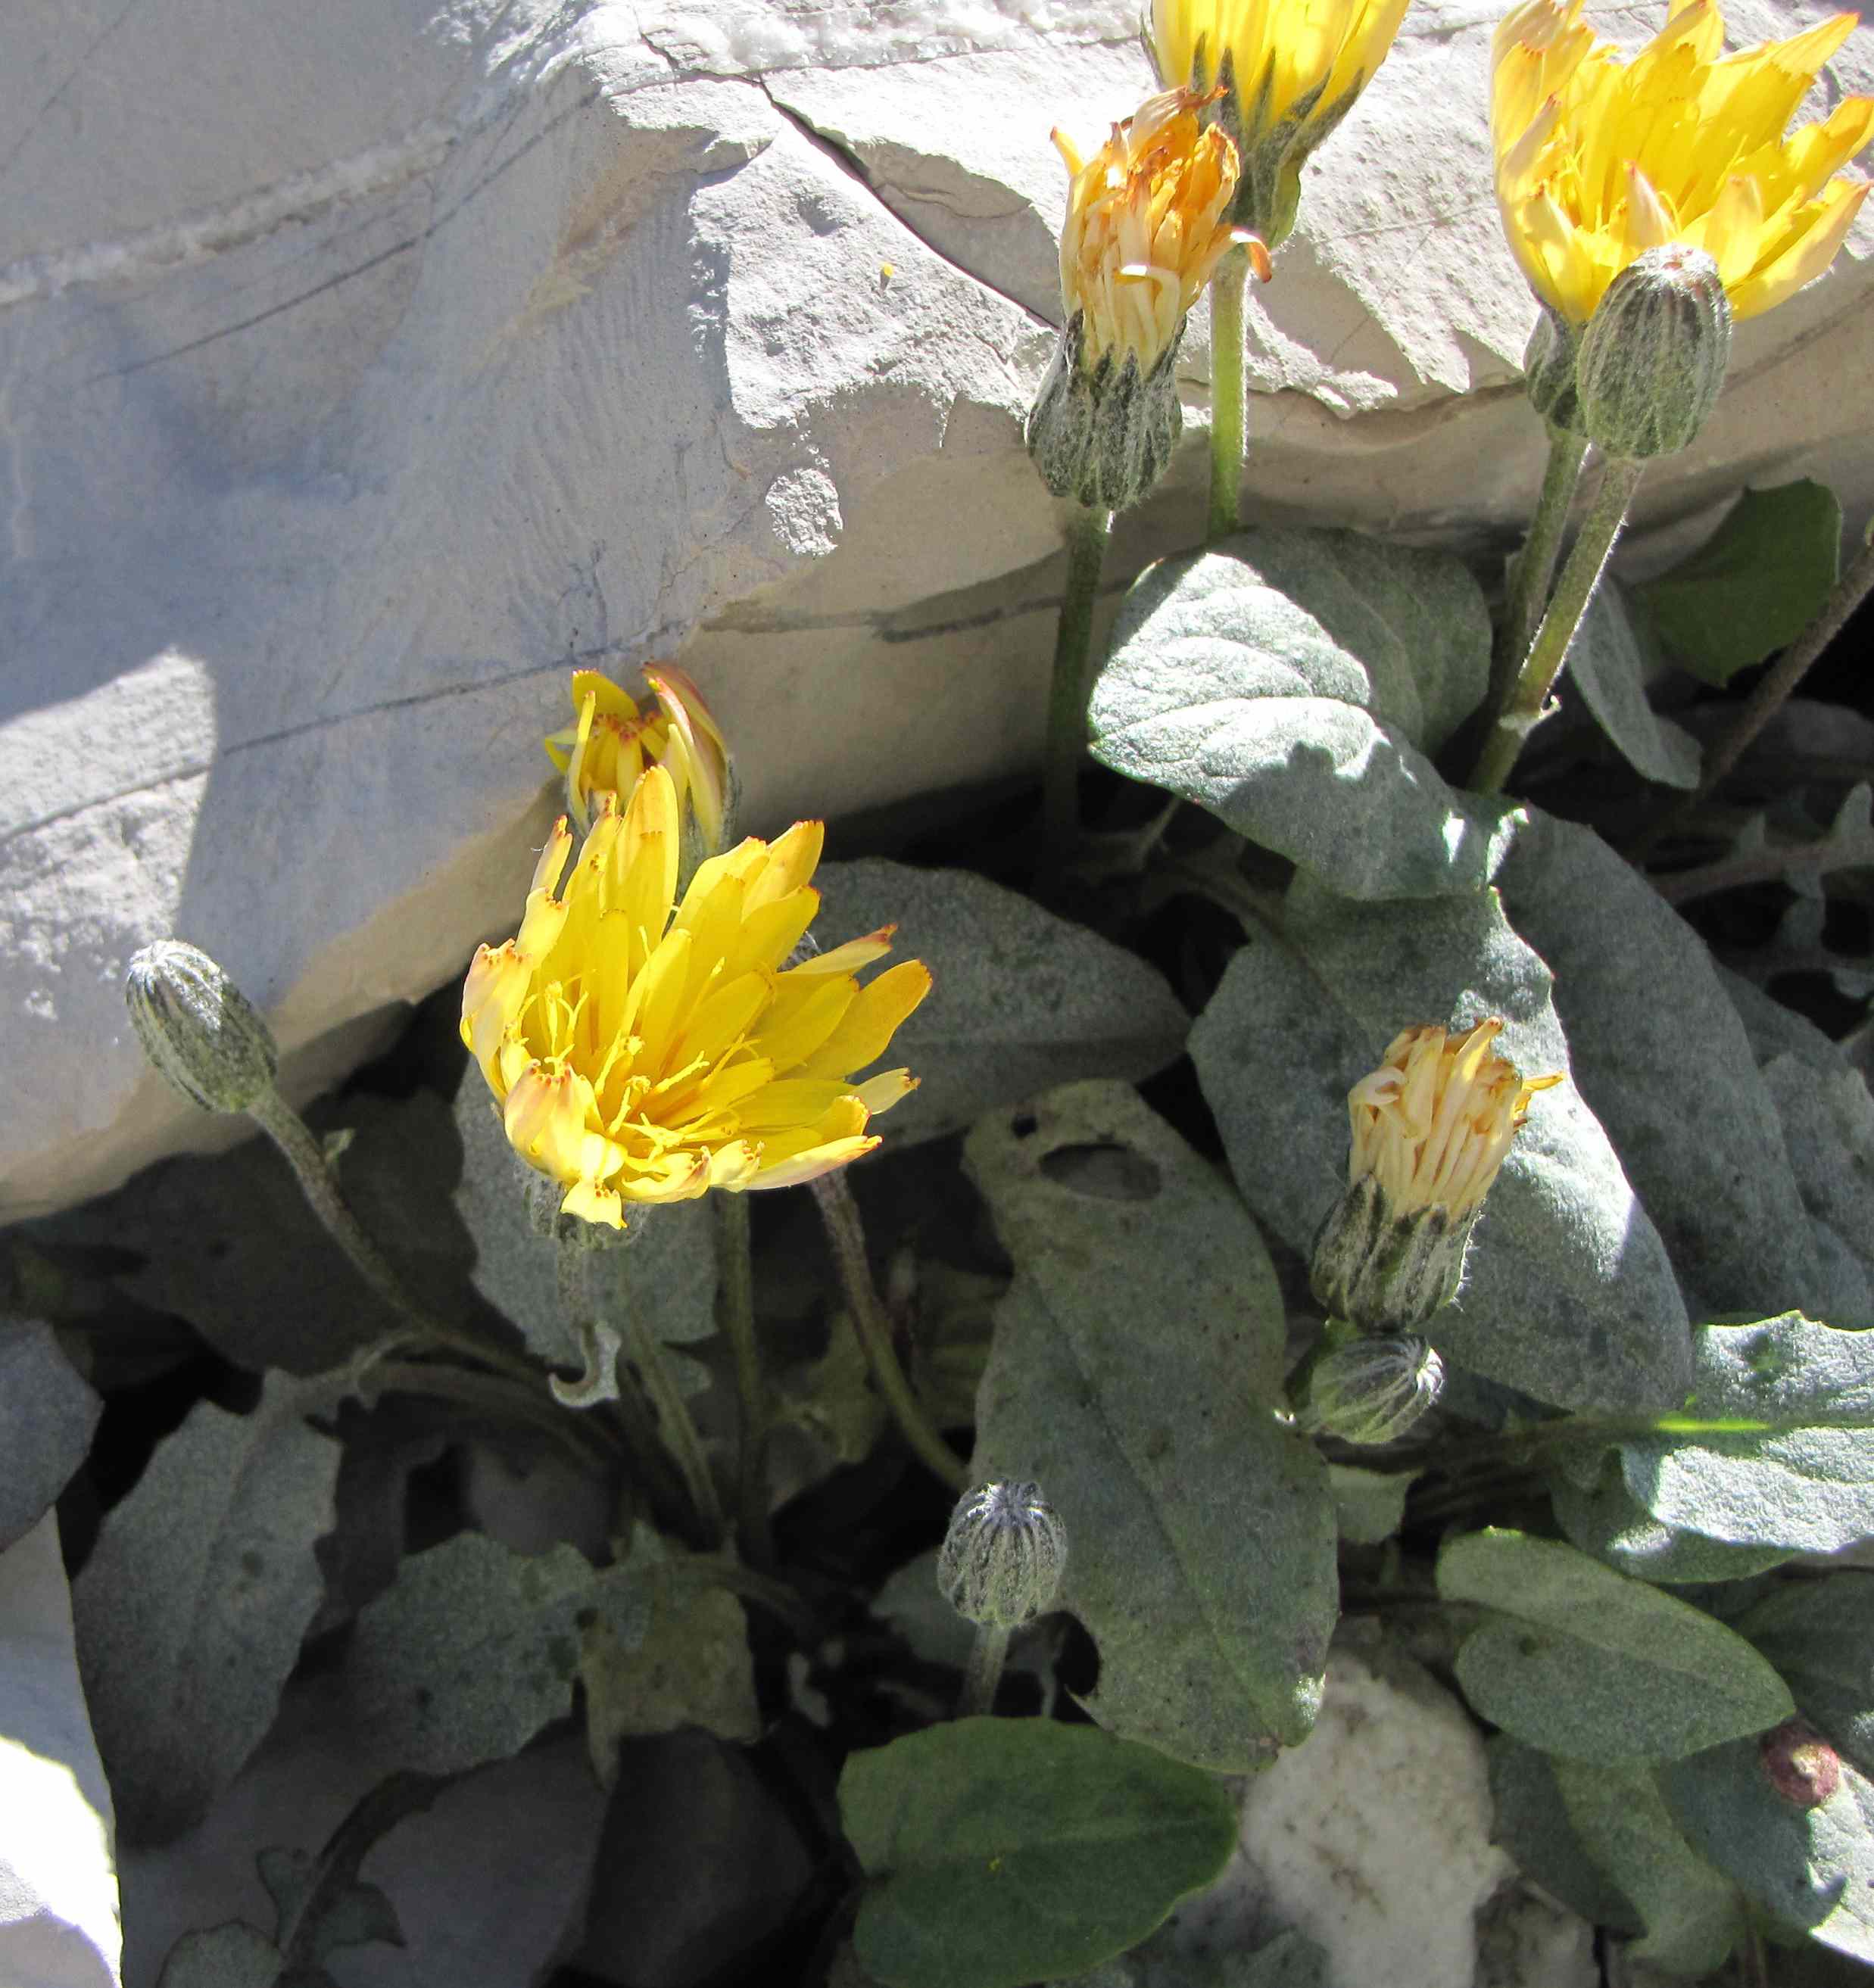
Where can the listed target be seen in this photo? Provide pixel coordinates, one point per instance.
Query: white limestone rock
(58, 1882)
(362, 366)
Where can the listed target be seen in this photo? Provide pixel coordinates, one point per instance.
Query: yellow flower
(1148, 220)
(1598, 159)
(1432, 1125)
(611, 742)
(1294, 68)
(644, 1051)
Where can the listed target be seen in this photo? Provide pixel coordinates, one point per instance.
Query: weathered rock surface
(363, 366)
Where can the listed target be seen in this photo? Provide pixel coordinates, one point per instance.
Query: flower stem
(496, 1397)
(1854, 586)
(1534, 565)
(1227, 395)
(676, 1424)
(840, 1214)
(1088, 528)
(318, 1183)
(1527, 701)
(987, 1655)
(736, 1271)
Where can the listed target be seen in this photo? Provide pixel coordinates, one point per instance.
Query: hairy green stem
(495, 1396)
(987, 1655)
(676, 1424)
(318, 1183)
(1534, 565)
(1088, 529)
(1227, 395)
(735, 1272)
(1854, 586)
(840, 1214)
(1527, 701)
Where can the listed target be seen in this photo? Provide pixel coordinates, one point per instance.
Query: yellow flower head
(1432, 1125)
(1294, 67)
(1148, 220)
(643, 1050)
(611, 742)
(1598, 159)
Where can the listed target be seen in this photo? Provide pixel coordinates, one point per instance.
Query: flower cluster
(611, 742)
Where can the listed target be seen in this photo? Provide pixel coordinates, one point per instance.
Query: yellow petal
(865, 1031)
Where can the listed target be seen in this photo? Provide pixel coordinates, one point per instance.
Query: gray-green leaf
(1533, 1825)
(1020, 1000)
(1608, 663)
(1584, 1662)
(48, 1411)
(1136, 1358)
(1607, 1521)
(1294, 682)
(1773, 1446)
(1568, 1295)
(233, 1956)
(191, 1609)
(998, 1851)
(1754, 585)
(1820, 1634)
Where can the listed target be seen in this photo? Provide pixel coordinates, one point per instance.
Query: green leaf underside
(1688, 1911)
(1587, 1664)
(1568, 1295)
(1201, 1531)
(1754, 585)
(1774, 1449)
(1001, 1851)
(1292, 682)
(1812, 1869)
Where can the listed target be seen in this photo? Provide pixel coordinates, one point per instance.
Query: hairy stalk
(1534, 565)
(1088, 529)
(1227, 395)
(496, 1397)
(736, 1274)
(676, 1423)
(318, 1183)
(1854, 586)
(840, 1214)
(987, 1655)
(1528, 698)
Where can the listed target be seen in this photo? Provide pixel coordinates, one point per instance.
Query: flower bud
(1373, 1390)
(1652, 358)
(1431, 1127)
(1802, 1766)
(1549, 371)
(1104, 437)
(198, 1029)
(1002, 1558)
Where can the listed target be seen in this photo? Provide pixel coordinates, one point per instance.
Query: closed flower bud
(1003, 1556)
(1802, 1766)
(1549, 371)
(198, 1029)
(1652, 358)
(1372, 1390)
(1431, 1127)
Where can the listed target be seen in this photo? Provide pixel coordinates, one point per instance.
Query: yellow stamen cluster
(1290, 61)
(1433, 1124)
(611, 742)
(644, 1050)
(1148, 220)
(1598, 159)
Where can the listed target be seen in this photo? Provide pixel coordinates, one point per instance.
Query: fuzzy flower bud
(1148, 220)
(1003, 1556)
(198, 1028)
(1652, 358)
(1549, 371)
(1431, 1127)
(1372, 1390)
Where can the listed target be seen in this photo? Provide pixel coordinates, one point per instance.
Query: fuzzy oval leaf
(1812, 1869)
(1136, 1356)
(48, 1413)
(1754, 585)
(1587, 1664)
(1535, 1826)
(1294, 682)
(191, 1609)
(1568, 1295)
(1773, 1447)
(1820, 1634)
(1688, 1911)
(232, 1956)
(1607, 1520)
(1021, 1000)
(1001, 1851)
(476, 1647)
(1608, 663)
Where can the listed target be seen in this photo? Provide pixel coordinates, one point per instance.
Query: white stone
(363, 366)
(58, 1882)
